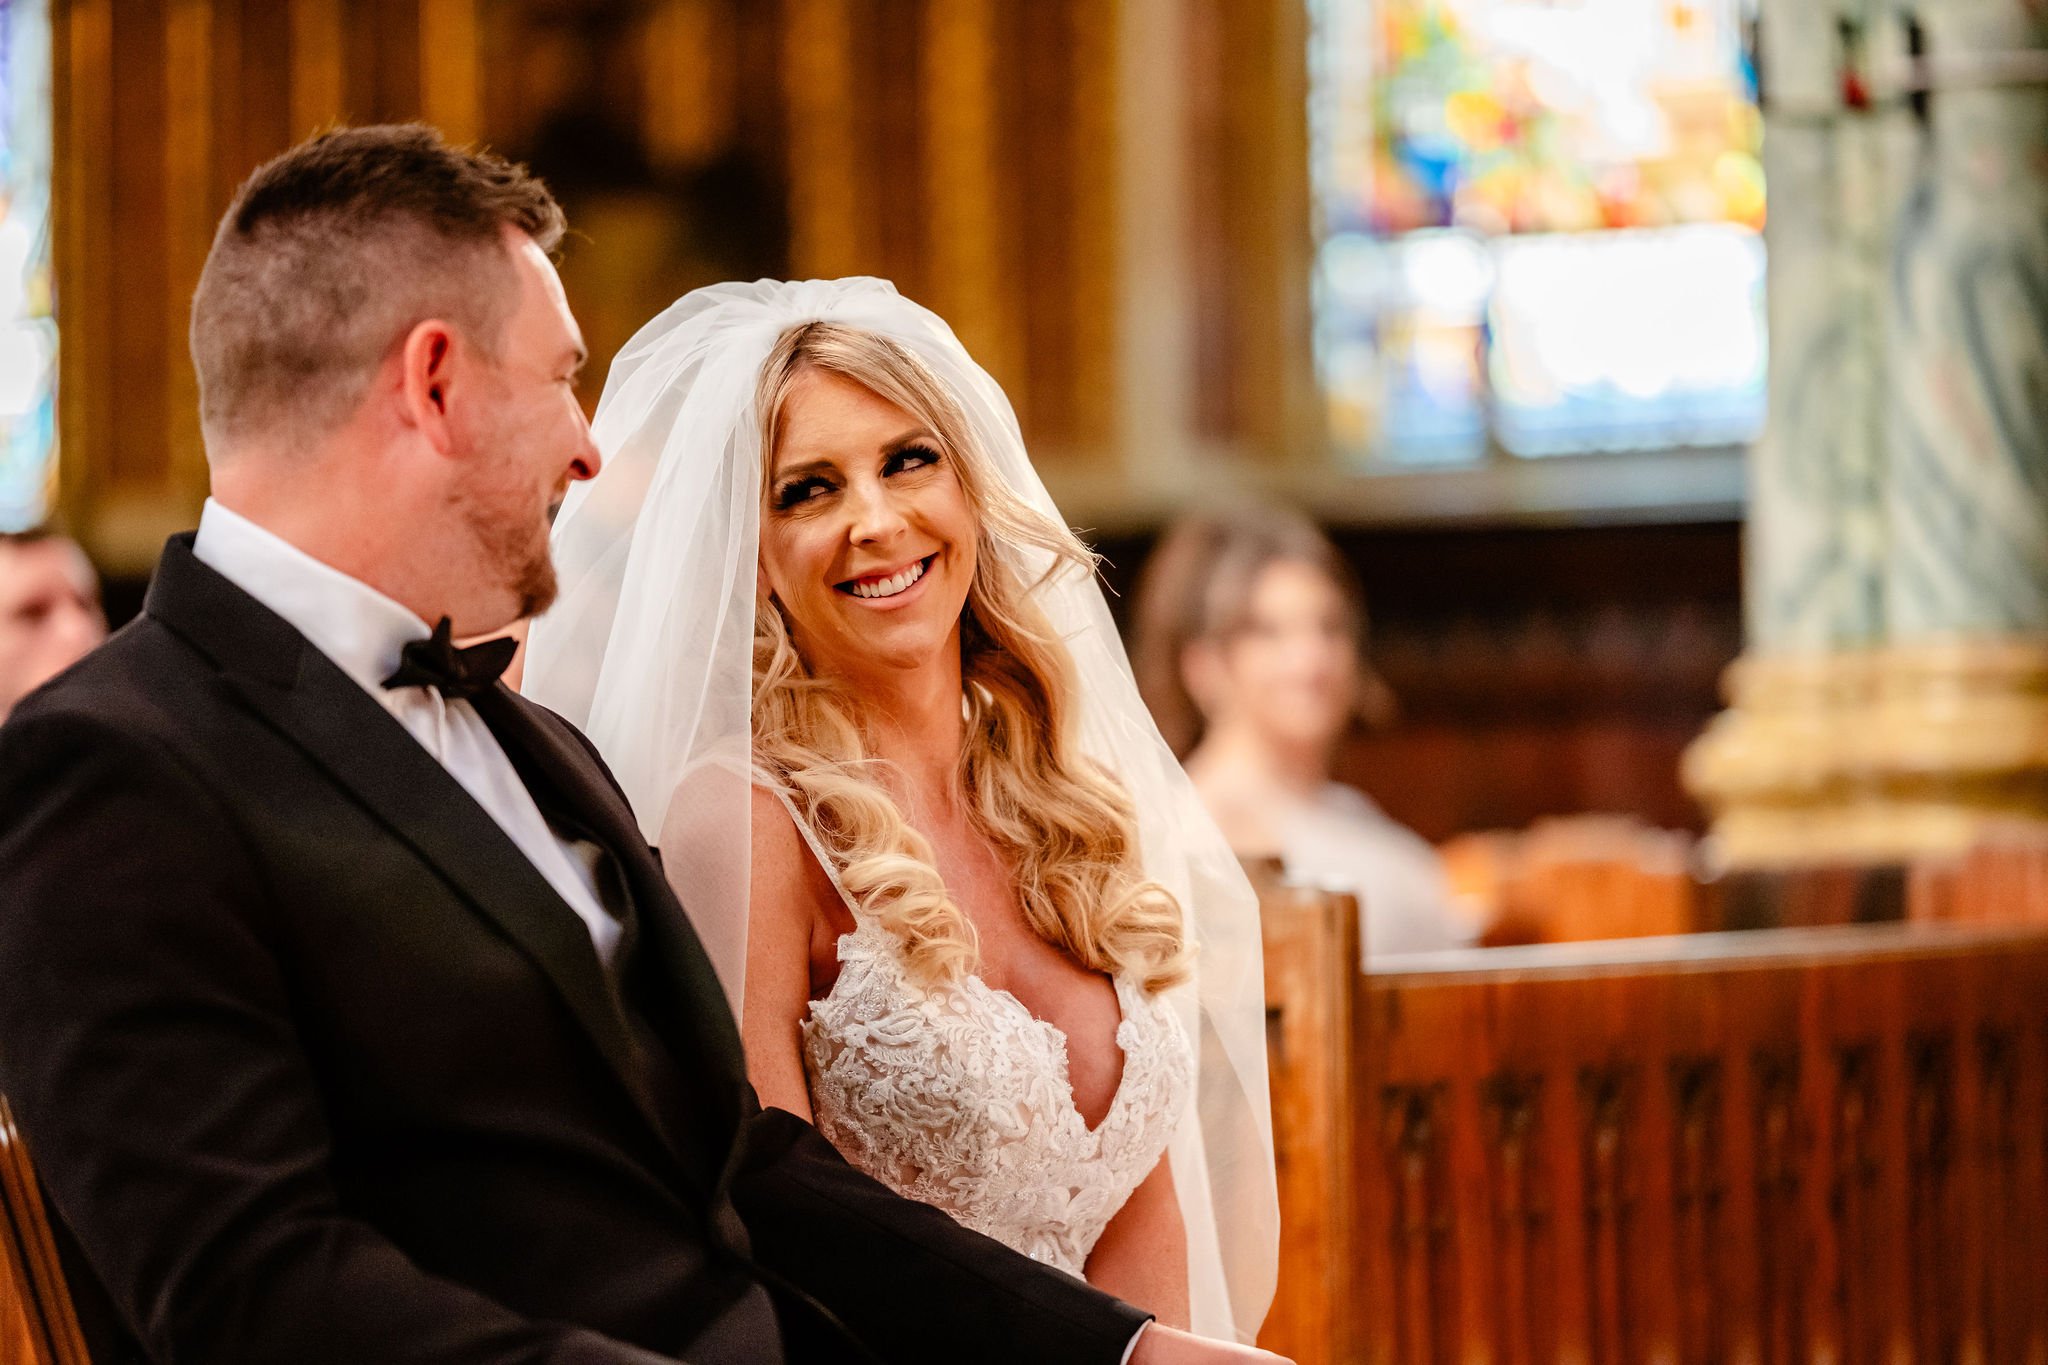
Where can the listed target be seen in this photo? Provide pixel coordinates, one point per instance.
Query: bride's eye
(911, 457)
(798, 491)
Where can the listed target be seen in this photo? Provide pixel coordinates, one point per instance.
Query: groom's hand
(1167, 1346)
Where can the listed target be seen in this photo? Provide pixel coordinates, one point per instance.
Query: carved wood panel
(1779, 1147)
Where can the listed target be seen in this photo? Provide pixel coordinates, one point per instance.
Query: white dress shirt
(364, 632)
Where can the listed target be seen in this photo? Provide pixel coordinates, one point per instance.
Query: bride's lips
(907, 594)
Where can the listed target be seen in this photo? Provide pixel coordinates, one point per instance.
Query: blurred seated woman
(1250, 634)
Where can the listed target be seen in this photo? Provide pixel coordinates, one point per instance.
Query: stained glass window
(1540, 226)
(28, 331)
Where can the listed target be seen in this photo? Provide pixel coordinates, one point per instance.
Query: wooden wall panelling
(449, 45)
(191, 211)
(991, 197)
(691, 76)
(136, 459)
(162, 108)
(828, 233)
(1248, 227)
(1037, 109)
(1084, 359)
(969, 242)
(82, 55)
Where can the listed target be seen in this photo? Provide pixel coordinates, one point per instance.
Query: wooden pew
(1311, 957)
(1772, 1147)
(37, 1324)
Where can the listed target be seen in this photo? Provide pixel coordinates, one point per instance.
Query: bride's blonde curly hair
(1066, 829)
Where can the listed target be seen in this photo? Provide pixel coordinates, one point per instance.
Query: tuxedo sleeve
(906, 1279)
(148, 1047)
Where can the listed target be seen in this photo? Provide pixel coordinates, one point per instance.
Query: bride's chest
(967, 1073)
(1075, 1013)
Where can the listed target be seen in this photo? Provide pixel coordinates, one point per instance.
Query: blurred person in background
(1249, 648)
(50, 614)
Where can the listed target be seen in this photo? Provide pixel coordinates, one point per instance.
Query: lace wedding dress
(957, 1096)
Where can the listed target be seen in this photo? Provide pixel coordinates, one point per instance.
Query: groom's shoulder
(134, 686)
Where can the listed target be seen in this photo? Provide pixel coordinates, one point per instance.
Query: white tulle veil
(650, 650)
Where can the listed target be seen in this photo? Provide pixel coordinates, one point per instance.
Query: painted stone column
(1894, 699)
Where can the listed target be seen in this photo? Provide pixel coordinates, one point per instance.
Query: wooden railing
(1807, 1145)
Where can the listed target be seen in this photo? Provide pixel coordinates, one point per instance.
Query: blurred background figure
(1250, 648)
(50, 612)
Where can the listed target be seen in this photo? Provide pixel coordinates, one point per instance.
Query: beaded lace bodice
(957, 1096)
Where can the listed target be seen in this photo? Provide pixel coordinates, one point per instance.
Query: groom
(348, 1017)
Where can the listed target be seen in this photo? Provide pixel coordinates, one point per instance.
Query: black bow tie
(463, 674)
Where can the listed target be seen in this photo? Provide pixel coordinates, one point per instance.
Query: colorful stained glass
(1541, 225)
(28, 329)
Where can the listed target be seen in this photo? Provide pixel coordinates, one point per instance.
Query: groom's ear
(426, 374)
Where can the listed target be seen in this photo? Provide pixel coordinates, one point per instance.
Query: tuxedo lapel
(321, 710)
(689, 992)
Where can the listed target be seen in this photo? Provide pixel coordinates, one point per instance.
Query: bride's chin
(886, 653)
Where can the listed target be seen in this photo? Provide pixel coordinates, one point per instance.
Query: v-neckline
(1058, 1035)
(1064, 1045)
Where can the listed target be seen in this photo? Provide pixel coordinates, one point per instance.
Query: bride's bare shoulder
(783, 871)
(794, 911)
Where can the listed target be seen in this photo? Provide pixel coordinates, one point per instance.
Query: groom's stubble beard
(509, 533)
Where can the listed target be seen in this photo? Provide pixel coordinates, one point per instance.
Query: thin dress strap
(803, 829)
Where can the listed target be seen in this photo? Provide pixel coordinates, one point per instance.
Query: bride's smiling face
(867, 537)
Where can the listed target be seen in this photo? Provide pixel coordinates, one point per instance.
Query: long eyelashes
(909, 457)
(905, 460)
(798, 491)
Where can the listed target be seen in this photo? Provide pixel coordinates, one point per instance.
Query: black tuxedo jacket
(317, 1068)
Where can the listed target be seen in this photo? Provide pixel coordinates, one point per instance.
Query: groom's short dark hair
(332, 252)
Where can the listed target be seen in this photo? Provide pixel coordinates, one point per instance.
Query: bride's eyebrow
(805, 470)
(916, 436)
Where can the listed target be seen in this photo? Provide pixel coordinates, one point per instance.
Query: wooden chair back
(1578, 878)
(2003, 880)
(37, 1323)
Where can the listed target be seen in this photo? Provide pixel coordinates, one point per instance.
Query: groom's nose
(588, 459)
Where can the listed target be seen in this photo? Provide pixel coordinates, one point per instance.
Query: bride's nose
(876, 517)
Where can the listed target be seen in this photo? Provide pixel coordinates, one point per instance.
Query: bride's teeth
(889, 587)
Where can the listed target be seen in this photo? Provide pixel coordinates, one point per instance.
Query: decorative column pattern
(1967, 500)
(1816, 525)
(1895, 698)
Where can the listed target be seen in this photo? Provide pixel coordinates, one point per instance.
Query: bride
(977, 926)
